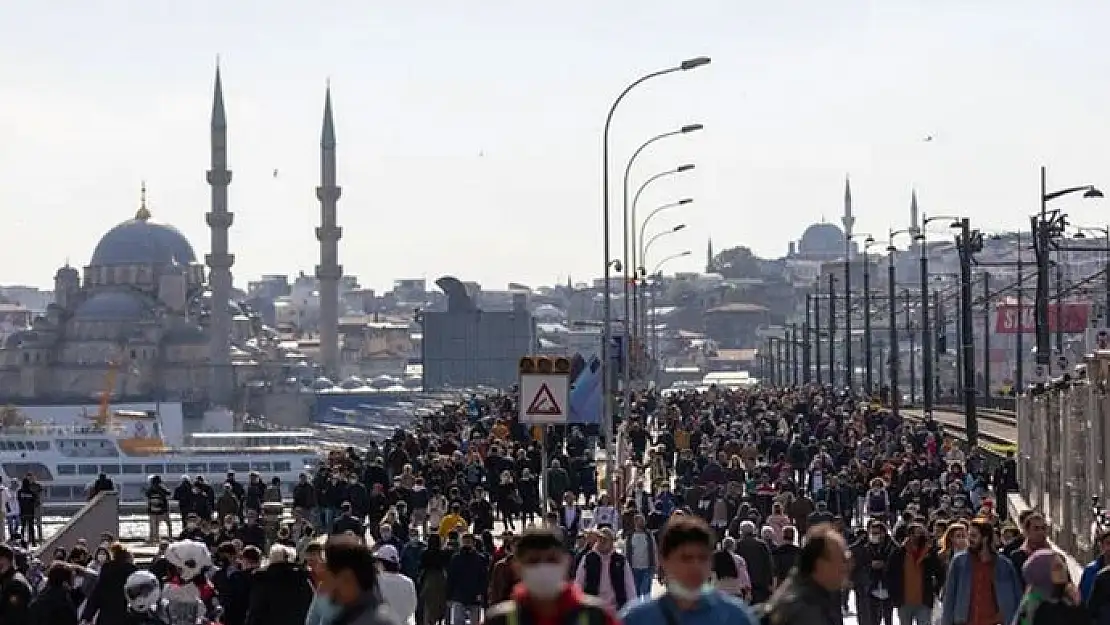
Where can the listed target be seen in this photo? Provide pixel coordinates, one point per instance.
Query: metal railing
(1063, 441)
(994, 402)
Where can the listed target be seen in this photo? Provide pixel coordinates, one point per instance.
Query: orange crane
(104, 415)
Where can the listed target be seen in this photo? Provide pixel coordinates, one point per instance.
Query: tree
(737, 262)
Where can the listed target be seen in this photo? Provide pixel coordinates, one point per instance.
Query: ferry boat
(129, 447)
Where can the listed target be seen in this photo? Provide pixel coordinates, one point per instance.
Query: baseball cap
(388, 553)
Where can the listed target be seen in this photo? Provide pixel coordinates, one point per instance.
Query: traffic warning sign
(543, 404)
(543, 398)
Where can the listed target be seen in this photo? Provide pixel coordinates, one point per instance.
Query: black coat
(15, 598)
(107, 598)
(52, 607)
(280, 595)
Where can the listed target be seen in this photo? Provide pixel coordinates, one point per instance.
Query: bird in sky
(928, 139)
(275, 173)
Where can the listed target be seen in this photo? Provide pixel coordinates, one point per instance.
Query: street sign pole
(544, 401)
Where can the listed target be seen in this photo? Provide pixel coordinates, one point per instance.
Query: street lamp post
(658, 281)
(867, 366)
(806, 345)
(849, 366)
(641, 269)
(1046, 226)
(969, 242)
(606, 339)
(926, 341)
(794, 353)
(832, 329)
(895, 354)
(629, 213)
(817, 332)
(986, 335)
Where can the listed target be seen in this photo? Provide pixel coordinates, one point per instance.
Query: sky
(469, 133)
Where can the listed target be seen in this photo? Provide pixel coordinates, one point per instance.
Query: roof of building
(142, 241)
(113, 306)
(738, 307)
(822, 238)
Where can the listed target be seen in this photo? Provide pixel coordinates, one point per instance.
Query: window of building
(87, 469)
(67, 469)
(109, 469)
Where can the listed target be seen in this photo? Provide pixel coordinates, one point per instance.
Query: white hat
(388, 553)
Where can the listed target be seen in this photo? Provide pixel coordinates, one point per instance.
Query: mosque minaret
(329, 271)
(219, 261)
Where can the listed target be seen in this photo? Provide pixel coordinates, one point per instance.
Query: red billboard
(1010, 320)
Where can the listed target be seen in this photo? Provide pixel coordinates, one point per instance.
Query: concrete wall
(475, 347)
(99, 515)
(285, 409)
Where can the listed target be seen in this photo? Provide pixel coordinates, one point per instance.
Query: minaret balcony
(219, 220)
(219, 177)
(219, 261)
(329, 272)
(329, 193)
(329, 233)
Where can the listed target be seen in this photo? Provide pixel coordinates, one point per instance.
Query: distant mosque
(143, 316)
(825, 241)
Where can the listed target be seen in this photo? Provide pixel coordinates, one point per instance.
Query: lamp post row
(607, 258)
(1047, 227)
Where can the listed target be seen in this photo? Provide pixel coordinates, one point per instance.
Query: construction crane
(103, 416)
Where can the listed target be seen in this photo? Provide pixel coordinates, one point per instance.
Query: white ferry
(129, 447)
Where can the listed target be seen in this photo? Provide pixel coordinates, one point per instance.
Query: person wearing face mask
(915, 575)
(467, 582)
(605, 573)
(686, 556)
(544, 596)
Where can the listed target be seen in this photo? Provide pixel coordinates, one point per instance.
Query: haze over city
(469, 137)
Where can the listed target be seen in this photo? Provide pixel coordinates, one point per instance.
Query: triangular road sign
(544, 404)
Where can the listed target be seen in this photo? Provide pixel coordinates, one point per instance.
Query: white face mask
(543, 581)
(682, 593)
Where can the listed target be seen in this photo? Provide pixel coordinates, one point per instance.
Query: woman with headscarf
(1050, 597)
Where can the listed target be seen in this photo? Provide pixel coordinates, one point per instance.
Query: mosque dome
(143, 241)
(113, 306)
(822, 238)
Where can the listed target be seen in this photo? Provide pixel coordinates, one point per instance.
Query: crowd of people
(793, 506)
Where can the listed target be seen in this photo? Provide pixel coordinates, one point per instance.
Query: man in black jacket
(761, 567)
(108, 603)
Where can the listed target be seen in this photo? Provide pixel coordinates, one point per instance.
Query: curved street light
(659, 235)
(685, 167)
(657, 277)
(606, 413)
(630, 208)
(647, 220)
(667, 259)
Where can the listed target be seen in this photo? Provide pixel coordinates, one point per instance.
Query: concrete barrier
(99, 515)
(1015, 505)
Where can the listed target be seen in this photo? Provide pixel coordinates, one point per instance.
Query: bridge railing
(1063, 441)
(994, 402)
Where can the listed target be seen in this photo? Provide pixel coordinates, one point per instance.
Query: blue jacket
(957, 589)
(321, 611)
(714, 608)
(1087, 581)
